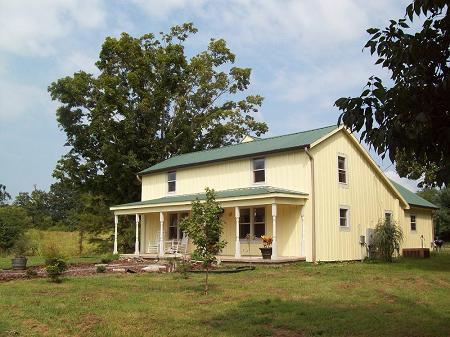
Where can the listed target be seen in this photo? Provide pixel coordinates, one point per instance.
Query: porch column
(274, 232)
(116, 221)
(136, 243)
(161, 234)
(237, 251)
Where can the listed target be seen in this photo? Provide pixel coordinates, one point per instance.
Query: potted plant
(266, 251)
(19, 262)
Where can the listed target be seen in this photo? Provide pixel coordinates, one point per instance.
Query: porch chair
(183, 246)
(153, 245)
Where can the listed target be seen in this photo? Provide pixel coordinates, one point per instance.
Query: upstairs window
(413, 223)
(342, 169)
(259, 168)
(387, 216)
(171, 181)
(344, 217)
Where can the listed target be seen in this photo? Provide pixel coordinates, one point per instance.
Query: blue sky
(304, 55)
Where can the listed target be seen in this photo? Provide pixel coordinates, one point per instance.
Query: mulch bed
(82, 269)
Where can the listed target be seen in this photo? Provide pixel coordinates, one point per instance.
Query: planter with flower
(266, 251)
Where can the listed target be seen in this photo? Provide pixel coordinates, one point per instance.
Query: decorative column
(161, 234)
(116, 221)
(136, 244)
(237, 251)
(302, 239)
(274, 232)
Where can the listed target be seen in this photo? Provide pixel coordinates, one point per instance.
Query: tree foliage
(149, 101)
(409, 120)
(4, 195)
(205, 226)
(13, 223)
(441, 216)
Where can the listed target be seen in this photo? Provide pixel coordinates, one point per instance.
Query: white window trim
(168, 181)
(348, 217)
(255, 240)
(339, 154)
(415, 217)
(387, 211)
(252, 170)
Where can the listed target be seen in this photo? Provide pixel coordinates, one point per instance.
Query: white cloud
(77, 61)
(20, 99)
(410, 184)
(29, 27)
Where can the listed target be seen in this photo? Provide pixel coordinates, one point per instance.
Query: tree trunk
(206, 281)
(80, 242)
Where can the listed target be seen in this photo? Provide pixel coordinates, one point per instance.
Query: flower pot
(19, 263)
(266, 253)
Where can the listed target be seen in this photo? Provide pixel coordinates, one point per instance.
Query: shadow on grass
(276, 317)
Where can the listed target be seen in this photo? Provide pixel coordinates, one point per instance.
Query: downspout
(138, 178)
(313, 206)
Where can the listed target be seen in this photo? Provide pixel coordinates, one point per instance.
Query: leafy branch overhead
(149, 102)
(410, 120)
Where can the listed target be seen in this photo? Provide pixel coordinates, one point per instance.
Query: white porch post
(116, 221)
(136, 244)
(274, 232)
(237, 252)
(161, 234)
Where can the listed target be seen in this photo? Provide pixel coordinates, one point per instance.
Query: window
(174, 229)
(171, 181)
(413, 222)
(343, 217)
(388, 216)
(252, 221)
(342, 170)
(259, 175)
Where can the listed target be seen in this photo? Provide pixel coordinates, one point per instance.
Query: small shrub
(55, 267)
(109, 258)
(387, 239)
(101, 269)
(183, 268)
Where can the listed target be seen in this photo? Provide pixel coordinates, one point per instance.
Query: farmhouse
(315, 192)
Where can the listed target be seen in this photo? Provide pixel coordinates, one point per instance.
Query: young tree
(149, 102)
(387, 239)
(409, 120)
(205, 226)
(4, 195)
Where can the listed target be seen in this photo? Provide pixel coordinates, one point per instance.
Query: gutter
(313, 206)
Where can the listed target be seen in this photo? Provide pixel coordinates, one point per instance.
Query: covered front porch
(248, 214)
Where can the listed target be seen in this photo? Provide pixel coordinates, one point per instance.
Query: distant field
(66, 242)
(406, 298)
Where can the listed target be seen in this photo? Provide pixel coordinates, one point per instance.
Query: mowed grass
(5, 262)
(407, 298)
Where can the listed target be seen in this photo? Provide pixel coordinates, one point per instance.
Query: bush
(387, 239)
(101, 269)
(31, 273)
(21, 246)
(55, 267)
(109, 258)
(13, 222)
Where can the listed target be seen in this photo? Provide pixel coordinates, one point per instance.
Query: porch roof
(226, 196)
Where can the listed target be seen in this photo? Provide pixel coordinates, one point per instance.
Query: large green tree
(149, 101)
(409, 118)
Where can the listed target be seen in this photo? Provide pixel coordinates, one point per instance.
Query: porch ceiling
(260, 195)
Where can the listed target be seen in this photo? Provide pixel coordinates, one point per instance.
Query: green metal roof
(255, 147)
(411, 197)
(237, 192)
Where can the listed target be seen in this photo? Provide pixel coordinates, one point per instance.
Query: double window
(252, 221)
(344, 217)
(342, 169)
(171, 181)
(174, 228)
(259, 170)
(413, 222)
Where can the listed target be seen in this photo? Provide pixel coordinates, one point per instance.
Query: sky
(303, 54)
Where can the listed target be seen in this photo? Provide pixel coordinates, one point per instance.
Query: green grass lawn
(407, 298)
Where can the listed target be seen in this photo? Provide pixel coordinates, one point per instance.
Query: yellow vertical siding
(424, 225)
(366, 195)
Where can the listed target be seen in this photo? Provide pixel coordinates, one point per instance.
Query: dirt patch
(88, 322)
(287, 333)
(37, 326)
(390, 298)
(348, 285)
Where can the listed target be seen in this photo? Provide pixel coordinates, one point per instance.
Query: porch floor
(226, 258)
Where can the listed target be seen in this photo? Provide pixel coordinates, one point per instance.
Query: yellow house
(316, 192)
